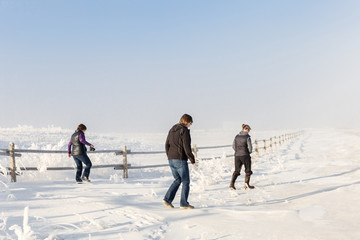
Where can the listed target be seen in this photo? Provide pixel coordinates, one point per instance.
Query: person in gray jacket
(243, 149)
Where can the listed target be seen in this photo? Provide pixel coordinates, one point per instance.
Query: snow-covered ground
(307, 188)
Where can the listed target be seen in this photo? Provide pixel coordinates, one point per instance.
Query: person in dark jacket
(243, 148)
(178, 151)
(78, 151)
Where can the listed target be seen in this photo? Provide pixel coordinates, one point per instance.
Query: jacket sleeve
(187, 146)
(249, 144)
(233, 145)
(167, 145)
(69, 146)
(82, 139)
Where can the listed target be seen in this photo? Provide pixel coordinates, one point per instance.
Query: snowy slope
(307, 188)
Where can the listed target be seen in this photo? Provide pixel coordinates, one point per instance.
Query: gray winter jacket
(242, 144)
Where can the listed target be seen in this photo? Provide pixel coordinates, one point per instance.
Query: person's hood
(242, 133)
(178, 127)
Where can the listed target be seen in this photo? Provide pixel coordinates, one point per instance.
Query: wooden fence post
(195, 151)
(264, 145)
(256, 148)
(270, 142)
(12, 162)
(125, 175)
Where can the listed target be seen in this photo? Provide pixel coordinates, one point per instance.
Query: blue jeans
(180, 171)
(79, 160)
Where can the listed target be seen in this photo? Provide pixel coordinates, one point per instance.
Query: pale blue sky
(139, 65)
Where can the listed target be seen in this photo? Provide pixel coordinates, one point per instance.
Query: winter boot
(187, 207)
(85, 179)
(233, 179)
(169, 205)
(247, 182)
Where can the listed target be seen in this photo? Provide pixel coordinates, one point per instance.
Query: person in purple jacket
(78, 151)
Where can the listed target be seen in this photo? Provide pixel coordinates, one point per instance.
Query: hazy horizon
(129, 66)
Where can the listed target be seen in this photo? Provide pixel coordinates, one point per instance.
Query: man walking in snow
(178, 151)
(243, 148)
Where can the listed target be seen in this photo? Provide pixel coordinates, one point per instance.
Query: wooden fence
(267, 144)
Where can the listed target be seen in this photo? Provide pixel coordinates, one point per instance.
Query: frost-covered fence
(12, 153)
(269, 143)
(124, 152)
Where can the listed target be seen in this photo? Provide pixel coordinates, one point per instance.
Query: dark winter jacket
(178, 143)
(78, 143)
(242, 144)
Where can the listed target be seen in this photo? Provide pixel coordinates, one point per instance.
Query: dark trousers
(239, 161)
(79, 160)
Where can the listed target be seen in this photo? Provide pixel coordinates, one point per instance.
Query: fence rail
(213, 147)
(115, 166)
(124, 152)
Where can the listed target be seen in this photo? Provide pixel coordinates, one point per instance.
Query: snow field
(306, 188)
